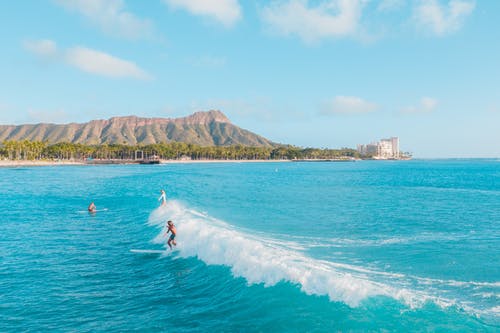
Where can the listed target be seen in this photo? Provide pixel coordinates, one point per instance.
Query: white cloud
(101, 63)
(330, 18)
(442, 19)
(111, 17)
(88, 60)
(227, 12)
(427, 104)
(44, 47)
(348, 105)
(390, 5)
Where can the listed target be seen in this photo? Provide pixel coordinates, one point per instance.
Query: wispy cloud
(111, 17)
(348, 105)
(390, 5)
(207, 61)
(257, 108)
(442, 19)
(328, 19)
(427, 104)
(3, 107)
(491, 108)
(101, 63)
(43, 47)
(227, 12)
(253, 109)
(44, 116)
(87, 60)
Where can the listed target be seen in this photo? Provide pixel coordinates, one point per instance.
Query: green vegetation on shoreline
(36, 150)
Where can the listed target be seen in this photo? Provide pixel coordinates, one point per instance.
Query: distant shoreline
(39, 163)
(25, 163)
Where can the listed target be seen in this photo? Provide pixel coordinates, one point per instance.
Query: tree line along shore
(37, 150)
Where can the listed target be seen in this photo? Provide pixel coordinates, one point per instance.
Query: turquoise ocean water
(262, 247)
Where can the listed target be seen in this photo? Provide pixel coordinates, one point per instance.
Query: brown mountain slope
(211, 128)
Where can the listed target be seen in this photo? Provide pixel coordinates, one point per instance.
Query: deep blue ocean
(368, 246)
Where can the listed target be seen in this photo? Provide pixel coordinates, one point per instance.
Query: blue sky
(322, 73)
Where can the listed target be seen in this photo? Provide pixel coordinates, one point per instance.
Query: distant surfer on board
(173, 231)
(163, 198)
(92, 208)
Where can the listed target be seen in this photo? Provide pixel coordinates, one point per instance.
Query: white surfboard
(148, 251)
(95, 211)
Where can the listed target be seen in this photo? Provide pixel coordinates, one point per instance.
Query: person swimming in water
(92, 208)
(163, 198)
(171, 228)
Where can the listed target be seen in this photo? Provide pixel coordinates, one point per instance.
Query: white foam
(268, 261)
(144, 251)
(495, 310)
(315, 242)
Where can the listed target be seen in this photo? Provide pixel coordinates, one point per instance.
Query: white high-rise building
(384, 149)
(395, 147)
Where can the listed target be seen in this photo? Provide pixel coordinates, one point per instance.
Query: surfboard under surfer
(171, 228)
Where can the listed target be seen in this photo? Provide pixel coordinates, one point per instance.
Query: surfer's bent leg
(171, 240)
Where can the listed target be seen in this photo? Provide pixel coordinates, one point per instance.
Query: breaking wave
(262, 260)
